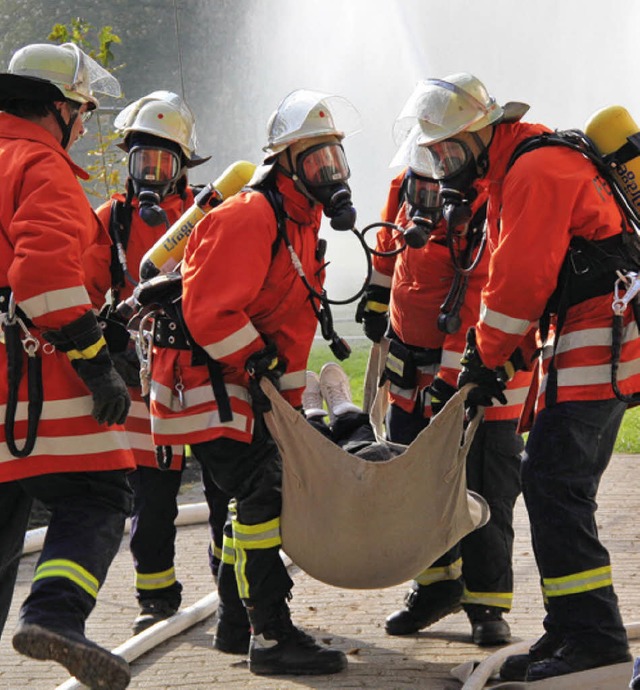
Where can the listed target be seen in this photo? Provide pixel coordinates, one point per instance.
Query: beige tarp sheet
(357, 524)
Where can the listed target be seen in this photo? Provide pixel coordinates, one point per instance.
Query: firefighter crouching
(556, 224)
(62, 442)
(159, 136)
(434, 298)
(249, 315)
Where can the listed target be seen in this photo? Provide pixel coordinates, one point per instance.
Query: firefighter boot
(233, 631)
(92, 665)
(152, 611)
(515, 666)
(425, 604)
(570, 659)
(279, 648)
(488, 627)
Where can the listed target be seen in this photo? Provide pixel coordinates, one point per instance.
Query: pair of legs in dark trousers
(153, 531)
(88, 512)
(568, 450)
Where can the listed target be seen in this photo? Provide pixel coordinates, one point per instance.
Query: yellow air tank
(168, 251)
(612, 129)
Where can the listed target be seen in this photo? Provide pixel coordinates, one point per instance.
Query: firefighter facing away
(559, 239)
(159, 136)
(250, 313)
(62, 439)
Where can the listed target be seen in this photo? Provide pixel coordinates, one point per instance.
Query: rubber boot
(233, 632)
(152, 611)
(91, 664)
(515, 666)
(425, 604)
(569, 659)
(279, 648)
(488, 627)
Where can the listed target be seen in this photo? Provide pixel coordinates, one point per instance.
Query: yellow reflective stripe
(240, 567)
(61, 567)
(216, 551)
(264, 535)
(504, 323)
(585, 581)
(234, 342)
(55, 300)
(453, 571)
(228, 552)
(377, 307)
(150, 581)
(89, 352)
(502, 600)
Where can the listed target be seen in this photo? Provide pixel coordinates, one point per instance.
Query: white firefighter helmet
(44, 71)
(163, 114)
(305, 114)
(446, 107)
(412, 156)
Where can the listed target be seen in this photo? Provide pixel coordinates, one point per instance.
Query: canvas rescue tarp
(358, 524)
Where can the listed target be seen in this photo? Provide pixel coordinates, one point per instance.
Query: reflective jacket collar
(296, 205)
(12, 127)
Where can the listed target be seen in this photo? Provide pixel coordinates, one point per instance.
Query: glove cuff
(80, 339)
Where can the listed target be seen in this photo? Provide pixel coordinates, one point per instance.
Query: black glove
(372, 311)
(264, 363)
(127, 365)
(490, 382)
(440, 392)
(85, 346)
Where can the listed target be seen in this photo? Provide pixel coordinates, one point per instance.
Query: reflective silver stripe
(453, 571)
(504, 323)
(155, 580)
(502, 600)
(232, 343)
(139, 410)
(594, 337)
(429, 369)
(380, 279)
(406, 393)
(56, 409)
(54, 300)
(451, 359)
(61, 567)
(516, 396)
(264, 535)
(395, 364)
(192, 423)
(595, 375)
(296, 379)
(140, 441)
(228, 552)
(577, 583)
(168, 397)
(104, 442)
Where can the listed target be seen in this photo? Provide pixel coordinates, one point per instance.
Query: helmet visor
(153, 166)
(90, 78)
(323, 164)
(445, 158)
(423, 193)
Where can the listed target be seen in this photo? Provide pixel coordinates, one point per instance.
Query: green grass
(628, 440)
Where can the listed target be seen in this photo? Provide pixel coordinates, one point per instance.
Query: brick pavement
(350, 620)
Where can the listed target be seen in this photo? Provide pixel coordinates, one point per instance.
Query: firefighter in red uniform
(160, 140)
(63, 401)
(554, 221)
(250, 313)
(431, 307)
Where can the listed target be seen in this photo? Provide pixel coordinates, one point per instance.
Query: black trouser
(351, 431)
(252, 474)
(88, 511)
(153, 531)
(568, 450)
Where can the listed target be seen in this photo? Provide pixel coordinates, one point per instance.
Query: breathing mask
(422, 195)
(323, 171)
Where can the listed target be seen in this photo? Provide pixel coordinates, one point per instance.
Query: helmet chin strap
(65, 127)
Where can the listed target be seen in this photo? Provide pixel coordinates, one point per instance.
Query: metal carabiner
(630, 282)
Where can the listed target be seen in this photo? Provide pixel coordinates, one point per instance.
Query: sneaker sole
(92, 666)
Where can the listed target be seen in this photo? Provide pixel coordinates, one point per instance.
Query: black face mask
(149, 207)
(422, 195)
(458, 193)
(336, 204)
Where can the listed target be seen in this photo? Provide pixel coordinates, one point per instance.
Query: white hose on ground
(490, 666)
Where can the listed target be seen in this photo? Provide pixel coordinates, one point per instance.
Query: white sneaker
(312, 402)
(334, 384)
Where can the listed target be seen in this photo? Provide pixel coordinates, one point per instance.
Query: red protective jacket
(549, 196)
(46, 225)
(421, 279)
(237, 296)
(98, 259)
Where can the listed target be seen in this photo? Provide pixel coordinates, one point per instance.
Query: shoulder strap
(119, 231)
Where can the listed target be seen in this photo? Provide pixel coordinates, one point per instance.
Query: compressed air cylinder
(168, 251)
(611, 129)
